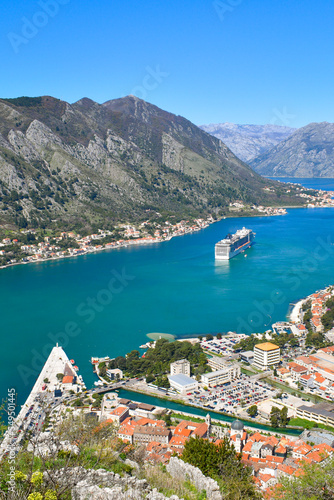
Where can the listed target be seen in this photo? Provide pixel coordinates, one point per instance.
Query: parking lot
(231, 397)
(224, 346)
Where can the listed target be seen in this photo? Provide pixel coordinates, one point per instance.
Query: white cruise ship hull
(230, 255)
(234, 244)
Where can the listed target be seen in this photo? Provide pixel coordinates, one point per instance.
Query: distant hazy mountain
(309, 152)
(248, 141)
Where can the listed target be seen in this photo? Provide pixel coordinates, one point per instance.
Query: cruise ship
(233, 244)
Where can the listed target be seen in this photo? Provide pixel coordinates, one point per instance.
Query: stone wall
(186, 472)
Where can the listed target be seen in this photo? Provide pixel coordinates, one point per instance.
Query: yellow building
(266, 355)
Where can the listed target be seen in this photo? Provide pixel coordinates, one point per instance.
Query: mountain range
(88, 164)
(308, 152)
(248, 141)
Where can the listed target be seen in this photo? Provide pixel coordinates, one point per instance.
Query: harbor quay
(58, 376)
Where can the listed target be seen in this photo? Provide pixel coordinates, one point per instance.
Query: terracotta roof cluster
(318, 301)
(269, 458)
(177, 436)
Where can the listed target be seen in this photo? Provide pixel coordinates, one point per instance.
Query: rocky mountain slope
(248, 141)
(308, 152)
(84, 164)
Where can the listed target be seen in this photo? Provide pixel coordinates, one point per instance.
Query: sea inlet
(107, 303)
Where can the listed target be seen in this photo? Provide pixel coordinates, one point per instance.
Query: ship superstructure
(233, 244)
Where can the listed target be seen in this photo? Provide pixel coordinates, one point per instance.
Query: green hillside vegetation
(314, 483)
(96, 448)
(72, 166)
(328, 318)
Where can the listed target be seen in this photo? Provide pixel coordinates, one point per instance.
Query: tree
(219, 336)
(102, 369)
(224, 465)
(37, 475)
(328, 318)
(209, 337)
(252, 411)
(284, 416)
(315, 482)
(279, 417)
(294, 342)
(162, 382)
(275, 416)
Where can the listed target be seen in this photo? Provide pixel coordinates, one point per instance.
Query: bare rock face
(172, 153)
(248, 141)
(22, 146)
(309, 152)
(186, 472)
(41, 136)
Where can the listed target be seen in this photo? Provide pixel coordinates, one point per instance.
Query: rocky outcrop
(186, 472)
(103, 485)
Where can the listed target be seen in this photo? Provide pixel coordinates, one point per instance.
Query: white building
(182, 383)
(216, 363)
(180, 366)
(114, 374)
(247, 356)
(223, 376)
(266, 355)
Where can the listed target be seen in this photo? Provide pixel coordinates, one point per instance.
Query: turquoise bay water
(320, 183)
(174, 287)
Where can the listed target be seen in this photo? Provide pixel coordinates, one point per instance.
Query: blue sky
(242, 61)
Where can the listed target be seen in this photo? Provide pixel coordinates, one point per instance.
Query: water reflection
(222, 267)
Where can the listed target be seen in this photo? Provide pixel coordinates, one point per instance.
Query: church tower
(208, 423)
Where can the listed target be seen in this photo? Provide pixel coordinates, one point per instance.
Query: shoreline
(294, 315)
(261, 211)
(128, 243)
